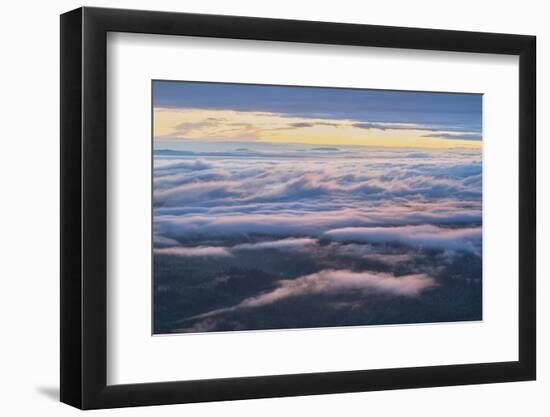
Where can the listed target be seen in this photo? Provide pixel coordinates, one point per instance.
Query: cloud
(194, 192)
(298, 223)
(164, 241)
(334, 282)
(375, 223)
(412, 126)
(440, 131)
(392, 126)
(233, 125)
(325, 149)
(257, 179)
(211, 251)
(290, 244)
(419, 155)
(427, 236)
(176, 178)
(258, 198)
(455, 136)
(302, 124)
(187, 127)
(317, 123)
(163, 167)
(308, 185)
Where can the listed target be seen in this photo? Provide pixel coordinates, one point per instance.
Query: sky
(317, 116)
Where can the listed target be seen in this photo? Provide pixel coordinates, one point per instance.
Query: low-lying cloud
(212, 251)
(359, 228)
(290, 244)
(333, 282)
(424, 236)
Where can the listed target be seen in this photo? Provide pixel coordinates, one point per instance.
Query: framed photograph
(256, 208)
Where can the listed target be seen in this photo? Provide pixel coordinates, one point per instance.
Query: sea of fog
(251, 236)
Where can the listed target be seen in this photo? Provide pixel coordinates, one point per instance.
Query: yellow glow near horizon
(201, 124)
(347, 135)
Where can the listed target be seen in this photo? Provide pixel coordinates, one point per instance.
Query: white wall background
(29, 176)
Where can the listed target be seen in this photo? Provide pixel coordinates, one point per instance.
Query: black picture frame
(84, 207)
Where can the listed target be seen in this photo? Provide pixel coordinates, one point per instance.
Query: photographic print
(291, 207)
